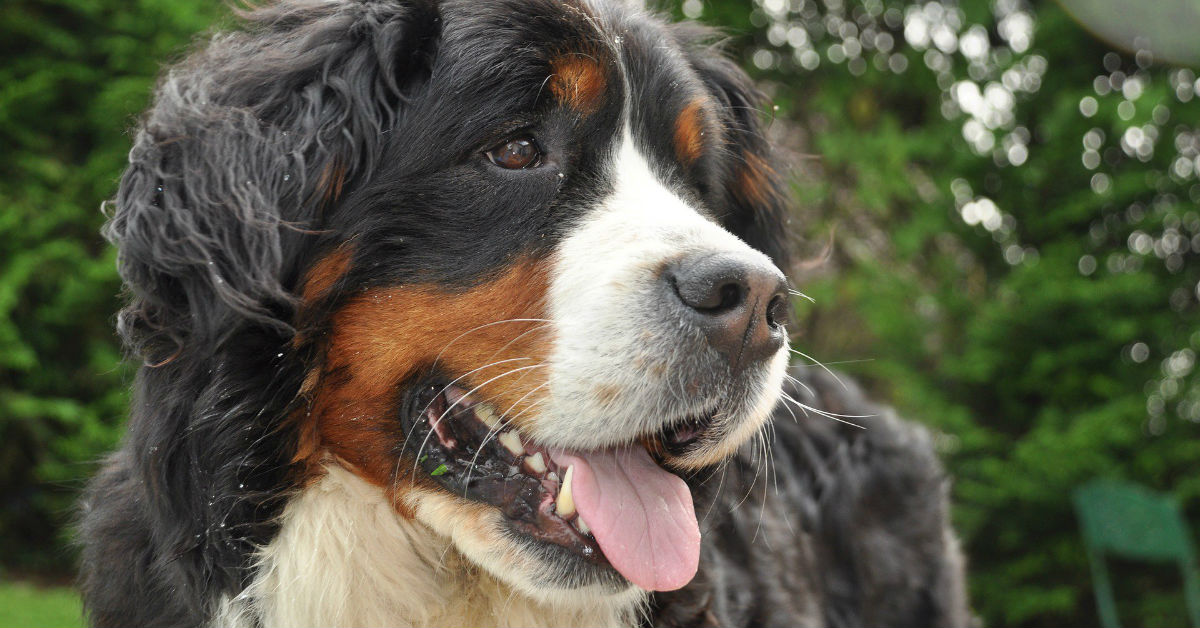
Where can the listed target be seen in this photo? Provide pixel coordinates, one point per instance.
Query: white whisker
(818, 363)
(802, 295)
(802, 385)
(500, 425)
(716, 493)
(753, 482)
(454, 381)
(433, 424)
(795, 419)
(484, 326)
(840, 418)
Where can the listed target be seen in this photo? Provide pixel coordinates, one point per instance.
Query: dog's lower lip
(679, 437)
(463, 444)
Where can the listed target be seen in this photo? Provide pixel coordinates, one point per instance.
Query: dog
(471, 313)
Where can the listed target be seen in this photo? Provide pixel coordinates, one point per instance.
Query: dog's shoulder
(826, 523)
(128, 580)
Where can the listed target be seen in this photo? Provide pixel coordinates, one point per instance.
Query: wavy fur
(210, 512)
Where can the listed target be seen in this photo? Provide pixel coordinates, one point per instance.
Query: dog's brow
(578, 81)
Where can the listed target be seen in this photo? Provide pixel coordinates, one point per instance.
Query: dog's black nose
(741, 304)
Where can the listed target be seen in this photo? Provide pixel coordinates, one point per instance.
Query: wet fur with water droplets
(306, 234)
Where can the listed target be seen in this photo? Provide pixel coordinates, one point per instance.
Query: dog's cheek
(494, 334)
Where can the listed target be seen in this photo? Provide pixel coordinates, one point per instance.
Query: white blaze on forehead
(638, 228)
(614, 345)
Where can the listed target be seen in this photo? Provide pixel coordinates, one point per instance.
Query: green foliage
(1009, 266)
(73, 73)
(33, 607)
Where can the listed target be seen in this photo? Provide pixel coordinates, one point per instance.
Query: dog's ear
(247, 142)
(757, 201)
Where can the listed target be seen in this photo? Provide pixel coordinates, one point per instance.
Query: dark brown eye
(516, 154)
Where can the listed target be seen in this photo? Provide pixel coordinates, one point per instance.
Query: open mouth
(615, 509)
(684, 436)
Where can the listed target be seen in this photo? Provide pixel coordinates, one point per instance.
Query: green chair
(1129, 521)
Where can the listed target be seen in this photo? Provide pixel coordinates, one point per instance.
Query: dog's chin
(545, 572)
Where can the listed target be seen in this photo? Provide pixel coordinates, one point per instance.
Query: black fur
(322, 123)
(212, 221)
(844, 527)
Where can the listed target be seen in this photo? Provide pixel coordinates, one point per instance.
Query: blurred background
(999, 213)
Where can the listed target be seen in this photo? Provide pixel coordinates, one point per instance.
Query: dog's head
(513, 262)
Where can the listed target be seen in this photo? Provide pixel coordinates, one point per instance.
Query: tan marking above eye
(578, 82)
(690, 131)
(385, 335)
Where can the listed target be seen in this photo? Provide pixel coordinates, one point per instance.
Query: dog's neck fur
(343, 557)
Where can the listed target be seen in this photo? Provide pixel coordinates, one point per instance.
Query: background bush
(1001, 213)
(73, 75)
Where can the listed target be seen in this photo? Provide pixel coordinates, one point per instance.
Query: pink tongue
(640, 514)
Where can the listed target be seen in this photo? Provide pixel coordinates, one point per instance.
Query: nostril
(731, 295)
(777, 311)
(709, 293)
(738, 302)
(721, 286)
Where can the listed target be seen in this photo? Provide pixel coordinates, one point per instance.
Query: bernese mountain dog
(470, 313)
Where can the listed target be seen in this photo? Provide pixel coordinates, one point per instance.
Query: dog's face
(537, 315)
(533, 304)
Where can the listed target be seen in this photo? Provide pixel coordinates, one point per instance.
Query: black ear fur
(247, 141)
(755, 190)
(245, 145)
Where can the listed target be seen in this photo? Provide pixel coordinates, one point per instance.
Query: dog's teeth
(552, 476)
(486, 413)
(536, 463)
(564, 506)
(582, 525)
(512, 442)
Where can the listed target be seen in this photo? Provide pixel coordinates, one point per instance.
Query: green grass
(24, 605)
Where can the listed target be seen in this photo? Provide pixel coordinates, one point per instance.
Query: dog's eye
(516, 154)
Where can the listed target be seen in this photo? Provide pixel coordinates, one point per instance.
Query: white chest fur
(343, 557)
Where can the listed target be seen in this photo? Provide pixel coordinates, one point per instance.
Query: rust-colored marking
(327, 272)
(578, 82)
(755, 180)
(383, 336)
(308, 443)
(331, 181)
(689, 132)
